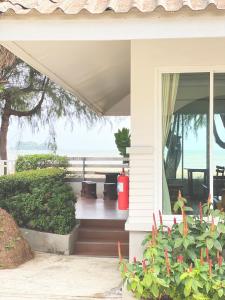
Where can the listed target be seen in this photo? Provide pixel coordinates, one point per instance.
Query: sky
(98, 139)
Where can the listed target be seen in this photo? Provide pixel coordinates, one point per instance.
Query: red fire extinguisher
(123, 191)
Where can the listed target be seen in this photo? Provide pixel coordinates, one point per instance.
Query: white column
(143, 151)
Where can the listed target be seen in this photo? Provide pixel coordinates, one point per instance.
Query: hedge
(24, 181)
(40, 161)
(39, 200)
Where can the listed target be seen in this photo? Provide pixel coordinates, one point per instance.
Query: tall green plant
(122, 140)
(183, 261)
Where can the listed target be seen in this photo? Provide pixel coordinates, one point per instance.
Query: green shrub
(181, 262)
(24, 181)
(40, 161)
(39, 199)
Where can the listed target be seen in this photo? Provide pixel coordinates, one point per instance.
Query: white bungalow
(161, 62)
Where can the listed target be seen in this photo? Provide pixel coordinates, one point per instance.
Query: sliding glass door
(219, 140)
(193, 133)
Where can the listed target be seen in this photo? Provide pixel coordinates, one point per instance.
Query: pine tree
(32, 97)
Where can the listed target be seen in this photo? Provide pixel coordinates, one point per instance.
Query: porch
(120, 72)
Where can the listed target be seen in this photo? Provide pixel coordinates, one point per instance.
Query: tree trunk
(3, 135)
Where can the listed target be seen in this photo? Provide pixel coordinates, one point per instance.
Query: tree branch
(34, 110)
(217, 138)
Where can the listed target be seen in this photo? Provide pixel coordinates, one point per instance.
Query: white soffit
(98, 72)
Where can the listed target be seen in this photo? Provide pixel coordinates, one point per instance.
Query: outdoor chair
(88, 189)
(220, 171)
(110, 191)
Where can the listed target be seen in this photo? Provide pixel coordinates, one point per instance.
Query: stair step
(100, 248)
(99, 238)
(103, 224)
(95, 233)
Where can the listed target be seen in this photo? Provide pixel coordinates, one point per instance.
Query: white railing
(7, 167)
(81, 167)
(96, 167)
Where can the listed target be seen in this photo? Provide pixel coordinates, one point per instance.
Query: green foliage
(39, 199)
(40, 161)
(122, 140)
(181, 262)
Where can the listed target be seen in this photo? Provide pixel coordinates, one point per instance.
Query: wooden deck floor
(99, 209)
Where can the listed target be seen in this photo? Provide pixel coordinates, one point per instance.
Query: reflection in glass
(219, 141)
(185, 109)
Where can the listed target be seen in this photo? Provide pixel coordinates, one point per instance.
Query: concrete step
(103, 224)
(95, 233)
(100, 248)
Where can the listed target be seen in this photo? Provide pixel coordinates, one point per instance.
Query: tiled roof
(99, 6)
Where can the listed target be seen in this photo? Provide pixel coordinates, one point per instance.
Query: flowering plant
(183, 261)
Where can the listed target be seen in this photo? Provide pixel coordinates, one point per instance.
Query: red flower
(160, 217)
(144, 265)
(220, 261)
(207, 254)
(201, 257)
(218, 254)
(153, 235)
(185, 224)
(179, 195)
(135, 260)
(210, 267)
(180, 259)
(174, 221)
(154, 221)
(119, 251)
(168, 269)
(212, 227)
(209, 200)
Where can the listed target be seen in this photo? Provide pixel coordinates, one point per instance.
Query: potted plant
(122, 140)
(42, 204)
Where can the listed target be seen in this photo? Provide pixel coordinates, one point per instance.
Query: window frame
(158, 129)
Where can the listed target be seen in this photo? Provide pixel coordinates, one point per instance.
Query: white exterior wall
(148, 58)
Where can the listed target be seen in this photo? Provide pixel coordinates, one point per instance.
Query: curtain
(169, 93)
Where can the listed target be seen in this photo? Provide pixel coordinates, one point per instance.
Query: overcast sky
(82, 140)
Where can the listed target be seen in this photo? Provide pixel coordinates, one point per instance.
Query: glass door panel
(219, 141)
(185, 106)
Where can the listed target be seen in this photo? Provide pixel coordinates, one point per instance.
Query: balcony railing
(81, 168)
(7, 167)
(86, 168)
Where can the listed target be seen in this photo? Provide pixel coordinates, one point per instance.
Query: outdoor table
(190, 178)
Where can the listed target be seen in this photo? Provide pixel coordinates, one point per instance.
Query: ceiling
(97, 72)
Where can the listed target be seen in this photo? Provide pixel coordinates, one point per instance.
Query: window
(193, 138)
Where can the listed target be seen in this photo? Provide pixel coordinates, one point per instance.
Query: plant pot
(51, 242)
